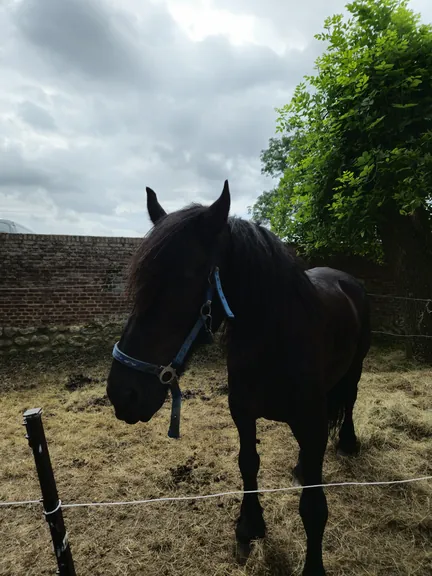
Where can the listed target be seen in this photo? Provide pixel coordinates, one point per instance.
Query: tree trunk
(407, 243)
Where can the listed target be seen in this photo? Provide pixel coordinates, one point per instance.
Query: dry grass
(371, 531)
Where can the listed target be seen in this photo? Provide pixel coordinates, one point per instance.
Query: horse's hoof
(342, 453)
(314, 570)
(348, 453)
(349, 450)
(314, 573)
(246, 531)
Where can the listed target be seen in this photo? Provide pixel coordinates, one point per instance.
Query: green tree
(274, 158)
(273, 161)
(358, 175)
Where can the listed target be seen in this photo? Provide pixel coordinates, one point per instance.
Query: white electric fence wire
(217, 495)
(393, 297)
(395, 335)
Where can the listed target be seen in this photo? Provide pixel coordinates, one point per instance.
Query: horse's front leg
(250, 524)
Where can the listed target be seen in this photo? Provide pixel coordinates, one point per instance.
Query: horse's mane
(158, 252)
(257, 259)
(277, 286)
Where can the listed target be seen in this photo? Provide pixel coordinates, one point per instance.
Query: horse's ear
(217, 214)
(155, 210)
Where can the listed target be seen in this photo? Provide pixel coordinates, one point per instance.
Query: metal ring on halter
(206, 309)
(170, 372)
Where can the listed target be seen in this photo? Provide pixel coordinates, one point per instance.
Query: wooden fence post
(51, 503)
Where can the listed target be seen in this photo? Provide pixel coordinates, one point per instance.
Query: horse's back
(336, 285)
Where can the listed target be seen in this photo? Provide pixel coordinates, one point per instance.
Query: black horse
(295, 343)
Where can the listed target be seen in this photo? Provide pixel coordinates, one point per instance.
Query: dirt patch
(80, 403)
(183, 472)
(75, 381)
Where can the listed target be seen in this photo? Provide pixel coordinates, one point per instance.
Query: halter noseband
(168, 375)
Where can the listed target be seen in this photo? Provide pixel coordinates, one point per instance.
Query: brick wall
(50, 280)
(68, 291)
(62, 293)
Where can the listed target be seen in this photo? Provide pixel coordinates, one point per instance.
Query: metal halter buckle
(168, 375)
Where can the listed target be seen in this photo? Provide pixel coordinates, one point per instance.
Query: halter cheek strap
(221, 294)
(168, 375)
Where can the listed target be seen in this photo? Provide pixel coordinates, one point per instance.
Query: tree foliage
(274, 163)
(274, 159)
(359, 133)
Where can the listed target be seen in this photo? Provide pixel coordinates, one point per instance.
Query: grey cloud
(292, 20)
(81, 36)
(225, 124)
(134, 103)
(16, 173)
(215, 65)
(66, 187)
(85, 37)
(205, 124)
(305, 18)
(212, 166)
(36, 116)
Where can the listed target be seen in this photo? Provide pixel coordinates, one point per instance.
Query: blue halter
(168, 375)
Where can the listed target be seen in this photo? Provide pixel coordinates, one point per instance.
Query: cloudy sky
(101, 98)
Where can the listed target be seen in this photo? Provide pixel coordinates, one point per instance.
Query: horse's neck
(242, 291)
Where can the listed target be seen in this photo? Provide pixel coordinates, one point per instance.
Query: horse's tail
(335, 408)
(345, 392)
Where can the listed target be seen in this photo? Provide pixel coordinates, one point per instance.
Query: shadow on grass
(266, 557)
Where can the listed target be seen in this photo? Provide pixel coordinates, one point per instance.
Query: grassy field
(371, 531)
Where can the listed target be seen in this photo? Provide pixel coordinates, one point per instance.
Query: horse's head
(170, 286)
